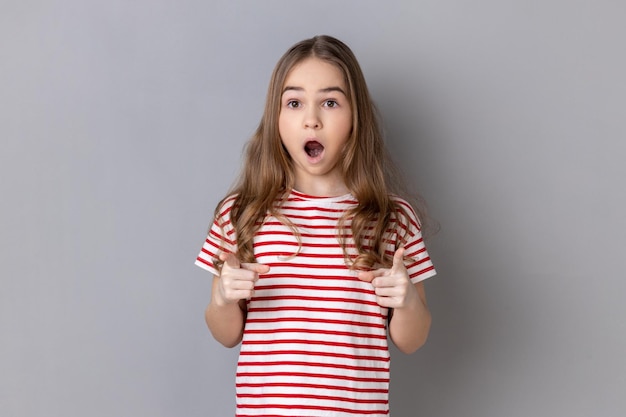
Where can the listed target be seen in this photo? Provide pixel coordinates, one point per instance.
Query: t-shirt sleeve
(418, 262)
(220, 239)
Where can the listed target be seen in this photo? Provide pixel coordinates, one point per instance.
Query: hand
(236, 280)
(392, 286)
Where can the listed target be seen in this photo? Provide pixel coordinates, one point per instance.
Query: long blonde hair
(268, 173)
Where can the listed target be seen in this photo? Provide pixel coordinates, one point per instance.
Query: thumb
(398, 260)
(230, 259)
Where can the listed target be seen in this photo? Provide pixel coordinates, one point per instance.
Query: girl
(314, 255)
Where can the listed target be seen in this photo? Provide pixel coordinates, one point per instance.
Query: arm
(226, 313)
(410, 325)
(225, 320)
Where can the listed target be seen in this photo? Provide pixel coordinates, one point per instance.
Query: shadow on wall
(441, 379)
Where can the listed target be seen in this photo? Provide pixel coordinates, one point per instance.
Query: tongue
(313, 148)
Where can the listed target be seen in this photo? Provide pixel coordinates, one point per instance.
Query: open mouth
(313, 148)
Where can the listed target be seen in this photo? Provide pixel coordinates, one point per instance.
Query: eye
(293, 104)
(331, 103)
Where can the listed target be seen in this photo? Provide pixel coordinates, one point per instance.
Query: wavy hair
(268, 174)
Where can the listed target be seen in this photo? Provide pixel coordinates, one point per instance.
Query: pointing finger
(258, 268)
(232, 261)
(368, 276)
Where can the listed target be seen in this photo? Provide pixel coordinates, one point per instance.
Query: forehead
(314, 74)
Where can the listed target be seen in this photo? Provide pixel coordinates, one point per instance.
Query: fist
(237, 279)
(392, 286)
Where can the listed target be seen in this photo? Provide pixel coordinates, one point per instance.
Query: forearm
(410, 325)
(225, 320)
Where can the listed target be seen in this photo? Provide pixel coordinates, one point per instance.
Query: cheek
(285, 123)
(346, 121)
(347, 126)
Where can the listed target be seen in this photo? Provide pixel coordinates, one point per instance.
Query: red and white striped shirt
(315, 340)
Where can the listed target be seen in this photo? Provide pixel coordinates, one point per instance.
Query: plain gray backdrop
(122, 125)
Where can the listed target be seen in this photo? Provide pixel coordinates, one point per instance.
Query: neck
(321, 188)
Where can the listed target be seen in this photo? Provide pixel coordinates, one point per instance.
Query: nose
(312, 119)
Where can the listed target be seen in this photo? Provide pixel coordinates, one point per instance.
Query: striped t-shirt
(315, 340)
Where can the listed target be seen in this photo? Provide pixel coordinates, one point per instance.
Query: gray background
(122, 124)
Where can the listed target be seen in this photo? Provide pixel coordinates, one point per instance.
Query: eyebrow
(322, 90)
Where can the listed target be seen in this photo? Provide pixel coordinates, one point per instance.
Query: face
(315, 123)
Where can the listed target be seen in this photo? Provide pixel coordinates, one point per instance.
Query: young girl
(314, 254)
